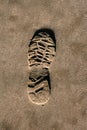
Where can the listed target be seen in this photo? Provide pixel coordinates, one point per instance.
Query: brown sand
(67, 107)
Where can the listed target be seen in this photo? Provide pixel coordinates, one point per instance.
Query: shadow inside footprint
(48, 31)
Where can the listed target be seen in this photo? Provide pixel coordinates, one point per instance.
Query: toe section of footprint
(39, 85)
(42, 49)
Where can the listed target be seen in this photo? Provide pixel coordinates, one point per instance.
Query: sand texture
(67, 105)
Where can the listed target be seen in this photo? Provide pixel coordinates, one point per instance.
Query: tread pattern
(40, 55)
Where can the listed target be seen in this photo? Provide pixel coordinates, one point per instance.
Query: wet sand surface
(67, 107)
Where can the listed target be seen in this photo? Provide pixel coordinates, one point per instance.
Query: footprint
(41, 53)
